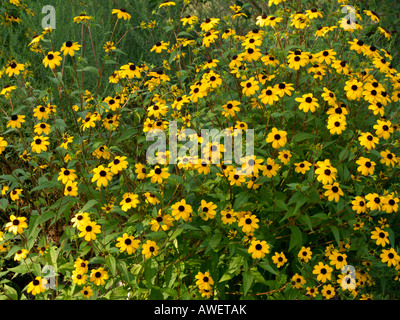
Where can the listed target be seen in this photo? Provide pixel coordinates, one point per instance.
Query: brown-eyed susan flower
(308, 102)
(37, 286)
(15, 194)
(129, 200)
(189, 19)
(42, 128)
(131, 71)
(209, 24)
(336, 124)
(66, 140)
(313, 13)
(14, 68)
(82, 18)
(79, 219)
(39, 144)
(158, 174)
(250, 164)
(383, 129)
(391, 204)
(15, 121)
(297, 281)
(66, 175)
(304, 254)
(341, 67)
(297, 59)
(41, 112)
(374, 201)
(81, 266)
(207, 210)
(161, 222)
(16, 224)
(69, 48)
(354, 89)
(236, 179)
(385, 33)
(25, 156)
(328, 291)
(258, 249)
(323, 272)
(149, 249)
(270, 168)
(312, 291)
(87, 291)
(250, 87)
(284, 156)
(230, 108)
(140, 171)
(7, 89)
(52, 59)
(88, 230)
(204, 280)
(269, 96)
(359, 205)
(181, 209)
(365, 166)
(326, 173)
(228, 216)
(279, 259)
(4, 190)
(381, 236)
(278, 138)
(121, 14)
(71, 189)
(102, 176)
(333, 191)
(127, 243)
(109, 46)
(390, 257)
(248, 223)
(118, 164)
(338, 260)
(160, 46)
(98, 276)
(367, 140)
(78, 278)
(373, 15)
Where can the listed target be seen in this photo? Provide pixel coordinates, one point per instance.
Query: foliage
(320, 93)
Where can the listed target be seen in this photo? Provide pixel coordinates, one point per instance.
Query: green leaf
(335, 232)
(10, 292)
(240, 200)
(89, 204)
(112, 264)
(302, 136)
(296, 237)
(247, 281)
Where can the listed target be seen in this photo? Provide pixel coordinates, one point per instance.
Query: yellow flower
(97, 276)
(52, 59)
(149, 249)
(88, 230)
(70, 48)
(258, 249)
(127, 243)
(121, 14)
(102, 176)
(40, 144)
(37, 286)
(129, 200)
